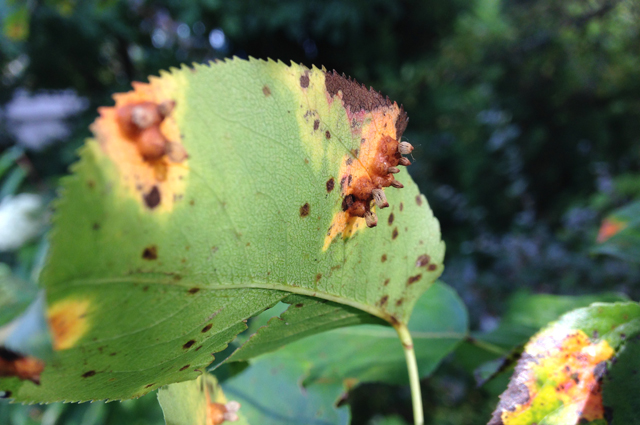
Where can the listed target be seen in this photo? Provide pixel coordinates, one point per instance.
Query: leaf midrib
(374, 311)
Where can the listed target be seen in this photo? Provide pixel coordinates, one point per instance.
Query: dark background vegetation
(525, 115)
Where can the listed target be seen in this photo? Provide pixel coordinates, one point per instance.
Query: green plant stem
(414, 377)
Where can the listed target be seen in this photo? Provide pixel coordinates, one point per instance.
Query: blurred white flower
(21, 219)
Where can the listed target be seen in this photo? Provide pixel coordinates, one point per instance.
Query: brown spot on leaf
(184, 367)
(399, 302)
(150, 385)
(383, 258)
(150, 253)
(318, 277)
(383, 300)
(189, 344)
(193, 290)
(423, 260)
(394, 234)
(330, 184)
(391, 217)
(327, 134)
(89, 374)
(304, 210)
(304, 80)
(266, 90)
(96, 226)
(386, 282)
(206, 328)
(418, 200)
(316, 124)
(432, 267)
(152, 199)
(414, 279)
(299, 305)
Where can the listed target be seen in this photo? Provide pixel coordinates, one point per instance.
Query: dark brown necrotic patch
(383, 300)
(391, 217)
(188, 344)
(357, 97)
(304, 210)
(327, 134)
(316, 124)
(304, 80)
(418, 200)
(266, 90)
(150, 385)
(395, 233)
(193, 290)
(152, 199)
(414, 279)
(206, 328)
(89, 374)
(184, 367)
(331, 183)
(150, 253)
(432, 267)
(423, 260)
(384, 258)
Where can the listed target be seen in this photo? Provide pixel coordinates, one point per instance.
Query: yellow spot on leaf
(68, 322)
(562, 379)
(159, 183)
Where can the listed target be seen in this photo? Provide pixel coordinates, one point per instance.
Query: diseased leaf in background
(372, 352)
(558, 379)
(211, 194)
(619, 235)
(200, 401)
(526, 314)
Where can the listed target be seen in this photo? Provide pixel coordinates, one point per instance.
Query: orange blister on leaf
(557, 378)
(365, 172)
(141, 136)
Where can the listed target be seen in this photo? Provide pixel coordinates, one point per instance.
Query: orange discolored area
(610, 228)
(368, 170)
(220, 411)
(68, 322)
(20, 366)
(558, 378)
(141, 136)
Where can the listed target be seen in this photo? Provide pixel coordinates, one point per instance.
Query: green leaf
(306, 316)
(438, 324)
(15, 295)
(271, 393)
(158, 259)
(200, 401)
(558, 379)
(619, 234)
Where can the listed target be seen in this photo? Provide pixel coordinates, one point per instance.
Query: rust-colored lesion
(20, 366)
(369, 169)
(141, 136)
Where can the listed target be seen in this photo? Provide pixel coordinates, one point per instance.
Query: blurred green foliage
(525, 116)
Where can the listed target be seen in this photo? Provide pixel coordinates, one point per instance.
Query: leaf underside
(155, 264)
